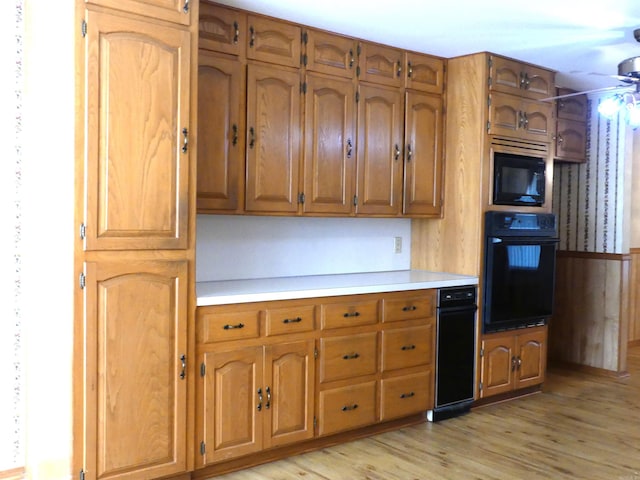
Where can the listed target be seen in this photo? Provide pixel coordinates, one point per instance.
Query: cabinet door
(381, 64)
(289, 390)
(532, 358)
(222, 29)
(571, 141)
(135, 386)
(177, 11)
(330, 145)
(221, 133)
(498, 365)
(137, 117)
(423, 154)
(539, 123)
(273, 139)
(424, 72)
(233, 404)
(521, 118)
(331, 54)
(511, 76)
(274, 41)
(379, 151)
(572, 108)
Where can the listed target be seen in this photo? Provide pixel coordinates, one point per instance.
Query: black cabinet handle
(408, 347)
(409, 308)
(354, 314)
(231, 327)
(351, 356)
(292, 320)
(347, 408)
(407, 395)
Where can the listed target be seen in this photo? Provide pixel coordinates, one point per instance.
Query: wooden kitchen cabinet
(330, 145)
(424, 138)
(379, 152)
(424, 73)
(221, 133)
(274, 41)
(177, 11)
(520, 118)
(512, 360)
(255, 398)
(330, 53)
(273, 140)
(571, 127)
(518, 78)
(137, 133)
(222, 29)
(135, 402)
(381, 64)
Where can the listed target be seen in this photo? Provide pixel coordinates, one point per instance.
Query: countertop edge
(254, 295)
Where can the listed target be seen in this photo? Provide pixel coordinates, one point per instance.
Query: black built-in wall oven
(519, 269)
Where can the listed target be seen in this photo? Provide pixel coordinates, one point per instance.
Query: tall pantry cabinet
(135, 244)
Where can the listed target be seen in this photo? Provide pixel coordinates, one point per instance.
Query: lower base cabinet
(279, 373)
(512, 360)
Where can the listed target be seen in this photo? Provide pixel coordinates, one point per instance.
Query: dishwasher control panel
(457, 296)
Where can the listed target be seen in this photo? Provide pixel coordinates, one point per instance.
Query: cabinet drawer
(408, 308)
(402, 396)
(347, 407)
(279, 321)
(219, 327)
(348, 356)
(349, 314)
(407, 347)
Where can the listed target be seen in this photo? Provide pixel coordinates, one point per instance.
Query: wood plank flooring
(580, 427)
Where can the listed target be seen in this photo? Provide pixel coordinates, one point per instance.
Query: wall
(237, 247)
(593, 203)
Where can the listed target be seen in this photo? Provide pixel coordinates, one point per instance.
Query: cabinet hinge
(489, 82)
(82, 474)
(83, 231)
(301, 197)
(303, 87)
(355, 200)
(488, 126)
(315, 422)
(357, 97)
(203, 369)
(358, 71)
(480, 386)
(489, 62)
(315, 353)
(83, 28)
(482, 352)
(203, 448)
(305, 37)
(489, 101)
(82, 280)
(303, 60)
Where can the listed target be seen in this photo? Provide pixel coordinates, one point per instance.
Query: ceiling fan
(628, 74)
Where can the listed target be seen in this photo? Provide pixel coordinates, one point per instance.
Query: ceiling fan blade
(595, 90)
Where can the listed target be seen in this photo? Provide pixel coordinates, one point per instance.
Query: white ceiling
(574, 37)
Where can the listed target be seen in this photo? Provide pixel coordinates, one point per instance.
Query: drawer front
(280, 321)
(347, 407)
(407, 347)
(409, 308)
(406, 395)
(220, 327)
(348, 356)
(349, 314)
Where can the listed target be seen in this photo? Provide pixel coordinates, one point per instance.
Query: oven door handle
(533, 240)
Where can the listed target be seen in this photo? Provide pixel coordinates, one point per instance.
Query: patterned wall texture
(587, 197)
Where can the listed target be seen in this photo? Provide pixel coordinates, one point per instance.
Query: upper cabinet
(222, 29)
(298, 121)
(571, 131)
(138, 133)
(274, 42)
(381, 64)
(177, 11)
(520, 118)
(517, 78)
(331, 54)
(424, 72)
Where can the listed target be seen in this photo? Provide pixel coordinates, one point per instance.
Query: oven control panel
(520, 224)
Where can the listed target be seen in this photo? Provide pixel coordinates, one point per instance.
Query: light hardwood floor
(580, 427)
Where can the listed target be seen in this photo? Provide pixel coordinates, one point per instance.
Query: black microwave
(518, 179)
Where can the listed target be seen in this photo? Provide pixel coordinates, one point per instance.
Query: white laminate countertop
(288, 288)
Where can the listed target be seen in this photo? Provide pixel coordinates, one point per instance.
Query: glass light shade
(633, 115)
(610, 107)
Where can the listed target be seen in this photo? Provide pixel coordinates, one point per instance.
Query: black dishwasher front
(455, 352)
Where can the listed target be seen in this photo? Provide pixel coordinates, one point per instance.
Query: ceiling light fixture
(626, 104)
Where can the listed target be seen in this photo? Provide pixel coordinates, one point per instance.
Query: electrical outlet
(397, 244)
